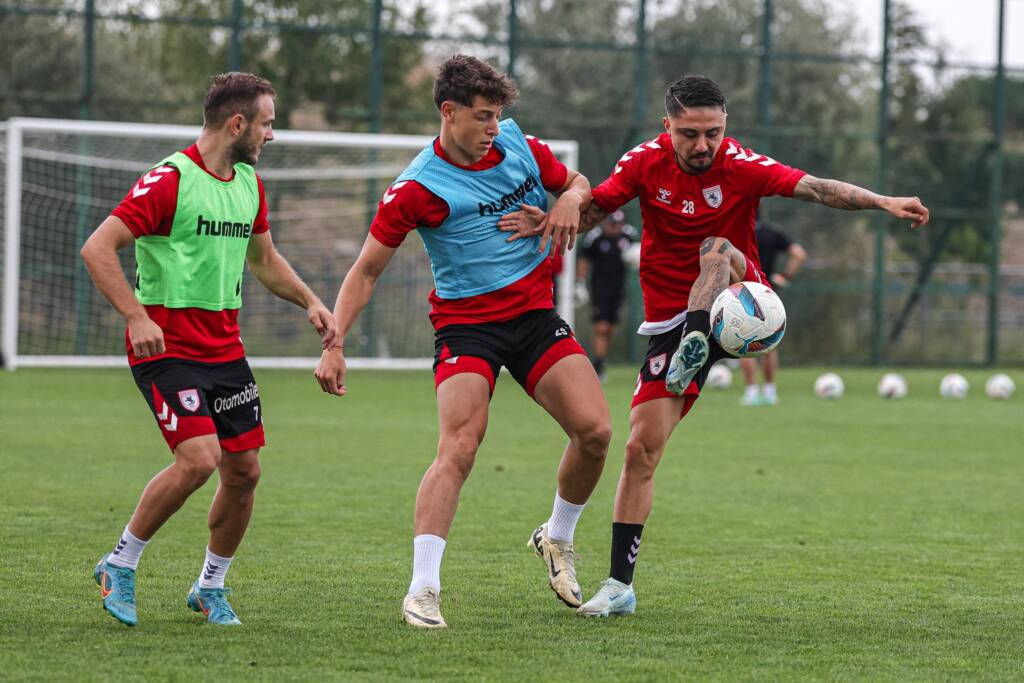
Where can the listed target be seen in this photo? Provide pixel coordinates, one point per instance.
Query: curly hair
(235, 92)
(461, 78)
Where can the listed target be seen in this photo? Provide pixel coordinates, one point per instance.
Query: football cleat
(689, 358)
(117, 588)
(560, 562)
(212, 603)
(423, 609)
(614, 597)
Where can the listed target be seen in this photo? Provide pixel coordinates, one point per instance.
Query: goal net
(62, 178)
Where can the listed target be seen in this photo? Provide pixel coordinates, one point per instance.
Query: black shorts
(190, 399)
(606, 304)
(527, 346)
(651, 382)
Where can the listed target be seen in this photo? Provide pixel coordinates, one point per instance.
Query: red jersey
(407, 206)
(681, 210)
(191, 333)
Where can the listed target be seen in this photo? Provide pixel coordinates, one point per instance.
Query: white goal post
(63, 177)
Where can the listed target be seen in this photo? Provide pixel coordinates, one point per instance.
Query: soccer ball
(748, 319)
(830, 386)
(1000, 387)
(953, 385)
(719, 376)
(892, 385)
(631, 256)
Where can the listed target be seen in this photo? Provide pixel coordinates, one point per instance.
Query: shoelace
(426, 603)
(125, 585)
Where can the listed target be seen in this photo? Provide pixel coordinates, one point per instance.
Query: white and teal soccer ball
(719, 376)
(892, 385)
(954, 385)
(829, 386)
(748, 319)
(1000, 387)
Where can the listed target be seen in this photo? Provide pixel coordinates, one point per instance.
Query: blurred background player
(196, 219)
(771, 244)
(601, 257)
(491, 307)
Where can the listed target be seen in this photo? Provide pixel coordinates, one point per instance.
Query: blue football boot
(213, 604)
(117, 588)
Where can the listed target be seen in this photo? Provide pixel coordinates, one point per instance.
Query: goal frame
(16, 128)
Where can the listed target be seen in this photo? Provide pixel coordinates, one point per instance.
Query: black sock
(625, 548)
(699, 321)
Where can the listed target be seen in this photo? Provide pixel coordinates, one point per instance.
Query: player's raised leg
(571, 393)
(195, 459)
(462, 405)
(651, 424)
(720, 264)
(228, 519)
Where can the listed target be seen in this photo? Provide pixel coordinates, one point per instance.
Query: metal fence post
(764, 93)
(235, 54)
(878, 341)
(996, 191)
(513, 37)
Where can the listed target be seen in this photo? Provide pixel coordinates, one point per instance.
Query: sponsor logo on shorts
(246, 395)
(657, 364)
(452, 361)
(189, 399)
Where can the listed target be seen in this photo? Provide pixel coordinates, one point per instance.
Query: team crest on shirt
(713, 196)
(657, 364)
(189, 399)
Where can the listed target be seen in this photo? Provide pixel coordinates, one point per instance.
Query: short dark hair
(693, 91)
(234, 92)
(461, 78)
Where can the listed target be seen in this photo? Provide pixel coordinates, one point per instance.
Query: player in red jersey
(699, 193)
(196, 220)
(491, 307)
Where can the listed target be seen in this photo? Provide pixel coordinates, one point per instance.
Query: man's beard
(244, 149)
(705, 160)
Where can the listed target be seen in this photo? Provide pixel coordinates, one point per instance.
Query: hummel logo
(562, 332)
(634, 549)
(211, 570)
(391, 192)
(631, 558)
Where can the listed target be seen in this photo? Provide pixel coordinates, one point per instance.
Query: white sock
(751, 391)
(769, 390)
(564, 516)
(127, 551)
(214, 570)
(427, 551)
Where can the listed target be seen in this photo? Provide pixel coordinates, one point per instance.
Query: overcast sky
(967, 26)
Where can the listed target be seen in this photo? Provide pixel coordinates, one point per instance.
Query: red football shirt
(191, 333)
(681, 210)
(408, 206)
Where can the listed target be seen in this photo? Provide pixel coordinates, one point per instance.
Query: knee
(592, 440)
(198, 466)
(243, 478)
(641, 460)
(715, 249)
(457, 453)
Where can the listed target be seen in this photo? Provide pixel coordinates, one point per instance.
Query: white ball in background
(631, 256)
(829, 386)
(892, 385)
(719, 376)
(1000, 387)
(954, 385)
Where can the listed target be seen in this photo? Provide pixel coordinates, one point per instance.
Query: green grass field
(856, 539)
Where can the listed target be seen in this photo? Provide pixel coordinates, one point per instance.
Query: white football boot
(614, 597)
(560, 562)
(423, 609)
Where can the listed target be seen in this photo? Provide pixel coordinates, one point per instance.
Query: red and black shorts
(190, 399)
(651, 382)
(527, 346)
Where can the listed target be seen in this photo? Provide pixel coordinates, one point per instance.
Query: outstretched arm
(352, 298)
(840, 195)
(277, 275)
(529, 221)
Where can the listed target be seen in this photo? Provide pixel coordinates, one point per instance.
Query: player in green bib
(197, 219)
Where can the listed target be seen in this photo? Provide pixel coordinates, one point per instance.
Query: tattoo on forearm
(837, 194)
(712, 280)
(591, 216)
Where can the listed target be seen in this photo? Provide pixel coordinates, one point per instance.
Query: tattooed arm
(840, 195)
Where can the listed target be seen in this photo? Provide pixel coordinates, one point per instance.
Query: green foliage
(858, 539)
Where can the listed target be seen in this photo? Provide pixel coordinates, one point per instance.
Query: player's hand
(330, 371)
(527, 222)
(562, 223)
(909, 208)
(146, 337)
(323, 321)
(780, 280)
